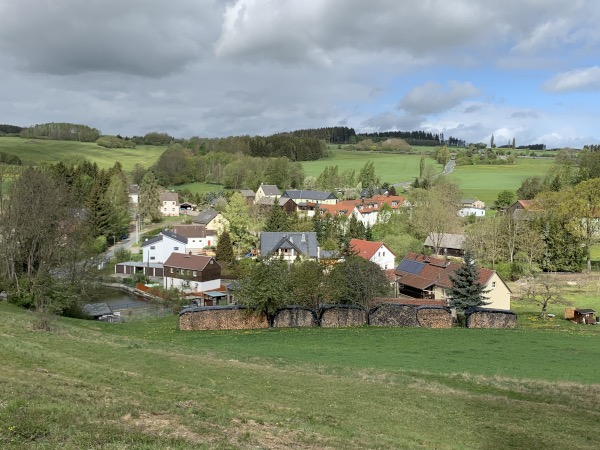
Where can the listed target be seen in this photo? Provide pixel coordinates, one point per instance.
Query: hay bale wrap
(429, 316)
(393, 315)
(295, 316)
(230, 317)
(343, 316)
(491, 318)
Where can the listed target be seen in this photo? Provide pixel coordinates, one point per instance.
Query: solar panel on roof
(410, 266)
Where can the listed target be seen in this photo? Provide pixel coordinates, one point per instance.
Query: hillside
(148, 385)
(40, 151)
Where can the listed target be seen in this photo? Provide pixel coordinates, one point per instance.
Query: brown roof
(436, 271)
(169, 197)
(192, 231)
(187, 261)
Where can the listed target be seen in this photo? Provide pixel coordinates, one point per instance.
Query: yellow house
(426, 277)
(212, 220)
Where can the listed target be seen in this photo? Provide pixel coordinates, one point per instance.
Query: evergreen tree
(278, 219)
(150, 198)
(466, 291)
(224, 251)
(99, 211)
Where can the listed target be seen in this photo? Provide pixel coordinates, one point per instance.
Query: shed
(585, 316)
(97, 310)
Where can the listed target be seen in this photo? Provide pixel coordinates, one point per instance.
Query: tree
(530, 187)
(265, 287)
(238, 215)
(367, 176)
(466, 291)
(46, 252)
(137, 174)
(505, 199)
(584, 207)
(544, 290)
(492, 145)
(277, 219)
(307, 279)
(356, 281)
(224, 251)
(149, 205)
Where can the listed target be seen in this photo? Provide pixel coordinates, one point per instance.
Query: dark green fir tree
(467, 291)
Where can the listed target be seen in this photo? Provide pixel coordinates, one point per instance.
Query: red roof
(366, 249)
(436, 271)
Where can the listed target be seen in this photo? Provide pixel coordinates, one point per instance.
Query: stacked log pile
(221, 318)
(393, 315)
(491, 318)
(343, 316)
(295, 316)
(434, 317)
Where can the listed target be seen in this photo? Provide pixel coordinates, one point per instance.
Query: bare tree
(544, 290)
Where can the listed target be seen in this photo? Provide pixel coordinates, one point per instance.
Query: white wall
(162, 250)
(191, 286)
(384, 258)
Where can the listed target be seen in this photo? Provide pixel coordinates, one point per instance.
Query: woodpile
(231, 317)
(295, 316)
(343, 316)
(393, 315)
(434, 317)
(491, 318)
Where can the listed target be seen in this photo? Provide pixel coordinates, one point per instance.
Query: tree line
(61, 131)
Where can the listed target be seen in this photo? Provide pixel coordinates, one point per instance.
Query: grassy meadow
(40, 151)
(147, 385)
(390, 167)
(486, 181)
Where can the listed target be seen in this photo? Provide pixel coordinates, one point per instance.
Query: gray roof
(270, 200)
(155, 239)
(366, 192)
(270, 189)
(247, 192)
(205, 217)
(309, 195)
(177, 237)
(304, 243)
(455, 241)
(134, 189)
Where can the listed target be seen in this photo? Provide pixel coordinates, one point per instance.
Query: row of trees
(62, 132)
(268, 285)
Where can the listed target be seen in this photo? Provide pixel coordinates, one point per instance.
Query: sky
(523, 69)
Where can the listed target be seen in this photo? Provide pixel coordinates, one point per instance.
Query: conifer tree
(224, 251)
(278, 219)
(467, 291)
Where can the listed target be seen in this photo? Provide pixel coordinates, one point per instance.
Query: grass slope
(148, 385)
(392, 168)
(39, 151)
(485, 182)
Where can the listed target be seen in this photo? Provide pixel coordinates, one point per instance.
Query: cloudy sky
(528, 69)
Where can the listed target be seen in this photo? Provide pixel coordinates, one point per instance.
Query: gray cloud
(139, 37)
(524, 115)
(432, 98)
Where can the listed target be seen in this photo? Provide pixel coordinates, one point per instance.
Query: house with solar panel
(426, 277)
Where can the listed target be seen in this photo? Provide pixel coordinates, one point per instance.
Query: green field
(147, 385)
(390, 167)
(39, 151)
(486, 181)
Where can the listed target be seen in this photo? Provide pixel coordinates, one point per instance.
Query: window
(152, 258)
(195, 273)
(172, 270)
(383, 253)
(175, 248)
(152, 247)
(493, 284)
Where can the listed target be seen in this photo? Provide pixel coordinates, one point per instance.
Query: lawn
(148, 385)
(486, 181)
(39, 151)
(390, 167)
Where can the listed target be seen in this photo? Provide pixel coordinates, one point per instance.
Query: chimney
(303, 237)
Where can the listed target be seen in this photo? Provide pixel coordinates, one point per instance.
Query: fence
(134, 311)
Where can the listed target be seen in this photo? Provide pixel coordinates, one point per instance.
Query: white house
(134, 194)
(376, 252)
(198, 237)
(169, 204)
(471, 207)
(159, 248)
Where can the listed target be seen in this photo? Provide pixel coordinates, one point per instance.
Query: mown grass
(148, 385)
(486, 181)
(40, 151)
(390, 167)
